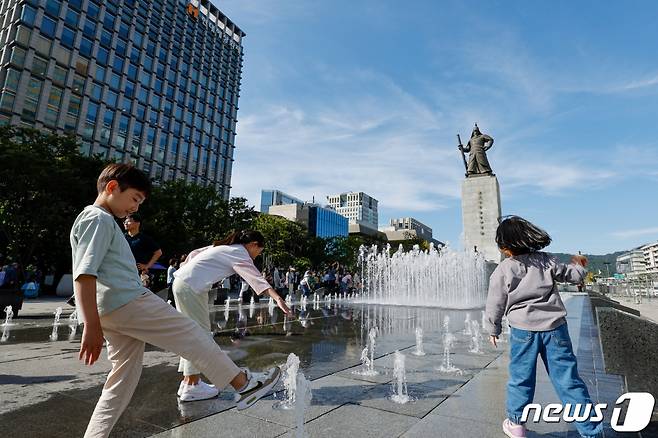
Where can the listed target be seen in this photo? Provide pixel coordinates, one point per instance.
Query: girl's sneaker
(258, 384)
(513, 430)
(200, 391)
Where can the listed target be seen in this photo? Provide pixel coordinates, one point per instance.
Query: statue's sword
(461, 149)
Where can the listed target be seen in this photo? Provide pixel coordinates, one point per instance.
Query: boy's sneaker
(200, 391)
(258, 384)
(514, 430)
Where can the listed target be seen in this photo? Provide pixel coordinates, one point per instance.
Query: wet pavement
(46, 392)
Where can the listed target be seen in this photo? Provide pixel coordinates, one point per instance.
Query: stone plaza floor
(46, 392)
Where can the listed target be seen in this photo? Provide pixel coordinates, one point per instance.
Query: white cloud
(383, 142)
(624, 234)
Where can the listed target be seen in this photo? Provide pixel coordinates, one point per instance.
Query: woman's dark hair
(520, 236)
(243, 237)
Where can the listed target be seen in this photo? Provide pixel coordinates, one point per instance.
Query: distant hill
(596, 262)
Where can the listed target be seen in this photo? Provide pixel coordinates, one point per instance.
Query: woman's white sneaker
(258, 385)
(200, 391)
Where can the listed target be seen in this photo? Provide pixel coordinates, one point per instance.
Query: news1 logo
(638, 412)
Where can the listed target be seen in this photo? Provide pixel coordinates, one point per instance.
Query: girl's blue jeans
(554, 348)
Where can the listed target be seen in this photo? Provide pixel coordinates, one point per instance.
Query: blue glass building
(269, 198)
(152, 82)
(326, 223)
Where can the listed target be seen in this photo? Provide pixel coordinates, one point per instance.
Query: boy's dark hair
(128, 177)
(245, 236)
(520, 236)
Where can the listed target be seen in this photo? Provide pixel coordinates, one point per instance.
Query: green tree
(44, 183)
(345, 250)
(285, 241)
(183, 216)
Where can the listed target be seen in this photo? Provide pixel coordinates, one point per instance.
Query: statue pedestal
(480, 213)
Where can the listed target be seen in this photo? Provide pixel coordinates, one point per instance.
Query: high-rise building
(272, 197)
(358, 207)
(153, 82)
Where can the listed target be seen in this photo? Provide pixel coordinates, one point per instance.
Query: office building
(358, 207)
(152, 82)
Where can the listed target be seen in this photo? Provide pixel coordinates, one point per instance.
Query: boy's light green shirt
(99, 248)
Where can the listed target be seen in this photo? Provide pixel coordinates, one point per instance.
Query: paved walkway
(648, 307)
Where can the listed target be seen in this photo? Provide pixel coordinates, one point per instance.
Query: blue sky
(369, 96)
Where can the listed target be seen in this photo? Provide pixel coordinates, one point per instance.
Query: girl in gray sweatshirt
(523, 287)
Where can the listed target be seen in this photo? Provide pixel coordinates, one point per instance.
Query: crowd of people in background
(329, 279)
(332, 279)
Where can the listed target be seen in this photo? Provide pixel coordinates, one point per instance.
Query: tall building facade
(650, 253)
(632, 264)
(152, 82)
(358, 207)
(271, 197)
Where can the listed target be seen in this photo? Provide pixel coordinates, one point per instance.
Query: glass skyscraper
(152, 82)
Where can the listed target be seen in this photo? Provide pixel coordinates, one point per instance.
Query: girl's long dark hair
(243, 237)
(520, 236)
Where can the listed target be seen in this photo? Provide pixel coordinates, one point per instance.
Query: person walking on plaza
(114, 305)
(173, 267)
(291, 279)
(145, 250)
(234, 254)
(523, 287)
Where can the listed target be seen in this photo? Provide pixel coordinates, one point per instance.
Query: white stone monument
(480, 213)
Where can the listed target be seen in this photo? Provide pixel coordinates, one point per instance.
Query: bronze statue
(477, 145)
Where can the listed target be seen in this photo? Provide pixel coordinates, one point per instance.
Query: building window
(96, 91)
(28, 15)
(68, 37)
(86, 47)
(7, 101)
(53, 7)
(54, 102)
(11, 81)
(39, 66)
(106, 38)
(72, 18)
(111, 98)
(18, 57)
(48, 27)
(23, 35)
(72, 114)
(32, 98)
(92, 10)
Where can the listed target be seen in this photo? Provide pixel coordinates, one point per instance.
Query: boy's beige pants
(149, 319)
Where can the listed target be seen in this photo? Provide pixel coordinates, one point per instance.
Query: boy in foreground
(116, 307)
